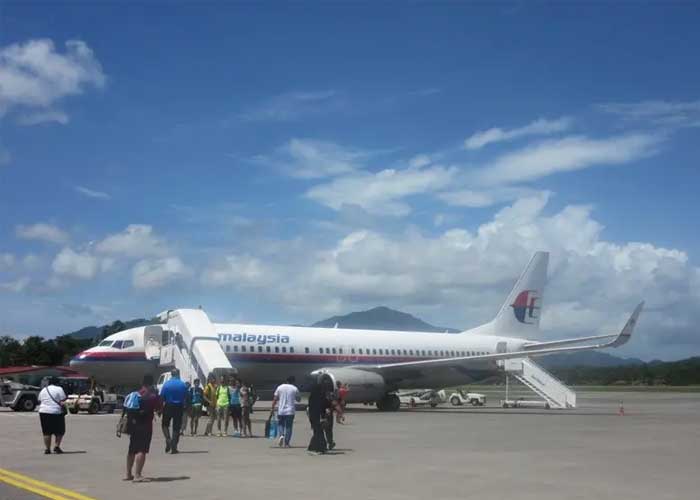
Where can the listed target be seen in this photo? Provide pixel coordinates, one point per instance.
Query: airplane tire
(455, 401)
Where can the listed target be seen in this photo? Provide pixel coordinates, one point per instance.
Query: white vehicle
(374, 364)
(93, 402)
(426, 397)
(18, 397)
(460, 398)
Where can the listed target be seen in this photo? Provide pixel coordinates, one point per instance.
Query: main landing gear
(390, 402)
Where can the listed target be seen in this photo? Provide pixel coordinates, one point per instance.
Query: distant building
(32, 375)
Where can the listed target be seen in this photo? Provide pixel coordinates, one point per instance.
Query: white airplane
(374, 363)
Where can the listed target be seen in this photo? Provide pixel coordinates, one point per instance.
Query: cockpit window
(127, 344)
(105, 343)
(117, 344)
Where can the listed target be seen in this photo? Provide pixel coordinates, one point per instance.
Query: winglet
(626, 332)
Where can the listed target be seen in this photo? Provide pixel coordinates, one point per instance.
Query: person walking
(140, 428)
(187, 407)
(173, 393)
(196, 398)
(222, 402)
(209, 396)
(285, 398)
(52, 415)
(334, 411)
(318, 404)
(246, 405)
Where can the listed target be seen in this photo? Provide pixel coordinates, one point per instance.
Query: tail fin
(520, 313)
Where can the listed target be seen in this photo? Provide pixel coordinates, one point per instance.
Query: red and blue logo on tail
(526, 307)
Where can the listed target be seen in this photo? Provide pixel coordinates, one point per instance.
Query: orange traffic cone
(621, 411)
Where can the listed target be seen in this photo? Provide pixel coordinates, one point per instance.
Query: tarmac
(592, 452)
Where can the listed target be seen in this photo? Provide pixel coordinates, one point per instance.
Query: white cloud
(154, 273)
(35, 76)
(293, 105)
(538, 127)
(38, 117)
(136, 241)
(90, 193)
(461, 277)
(567, 154)
(42, 232)
(74, 264)
(484, 197)
(663, 113)
(16, 286)
(7, 261)
(309, 159)
(381, 193)
(238, 270)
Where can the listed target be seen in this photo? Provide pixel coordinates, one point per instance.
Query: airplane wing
(409, 368)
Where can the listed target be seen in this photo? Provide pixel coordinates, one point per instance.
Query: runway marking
(39, 487)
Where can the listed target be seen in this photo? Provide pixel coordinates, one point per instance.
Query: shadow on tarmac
(166, 479)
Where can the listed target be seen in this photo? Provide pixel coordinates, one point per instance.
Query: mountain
(381, 318)
(96, 332)
(384, 318)
(586, 358)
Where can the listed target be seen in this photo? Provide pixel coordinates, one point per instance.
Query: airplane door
(502, 347)
(152, 338)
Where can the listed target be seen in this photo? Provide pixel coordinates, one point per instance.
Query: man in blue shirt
(173, 393)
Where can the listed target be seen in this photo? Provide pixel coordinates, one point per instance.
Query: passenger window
(228, 348)
(374, 351)
(284, 349)
(259, 348)
(333, 350)
(243, 348)
(328, 351)
(277, 349)
(430, 353)
(306, 350)
(405, 353)
(268, 349)
(423, 353)
(393, 351)
(291, 349)
(410, 352)
(352, 351)
(360, 350)
(235, 348)
(340, 350)
(381, 352)
(320, 349)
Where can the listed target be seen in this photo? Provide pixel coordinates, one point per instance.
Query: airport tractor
(460, 398)
(83, 395)
(18, 397)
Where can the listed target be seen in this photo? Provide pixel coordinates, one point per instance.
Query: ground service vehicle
(460, 398)
(19, 397)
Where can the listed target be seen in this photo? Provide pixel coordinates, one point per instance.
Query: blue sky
(284, 162)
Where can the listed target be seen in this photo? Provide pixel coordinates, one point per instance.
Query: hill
(381, 318)
(98, 332)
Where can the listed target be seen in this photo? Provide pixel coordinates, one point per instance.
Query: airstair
(541, 382)
(189, 342)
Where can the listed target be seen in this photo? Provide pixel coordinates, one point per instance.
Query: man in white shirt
(286, 396)
(53, 421)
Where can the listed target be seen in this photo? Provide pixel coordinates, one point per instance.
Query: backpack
(132, 401)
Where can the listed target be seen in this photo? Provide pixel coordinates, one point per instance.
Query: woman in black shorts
(51, 415)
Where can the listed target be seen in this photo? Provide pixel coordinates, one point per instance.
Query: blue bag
(132, 401)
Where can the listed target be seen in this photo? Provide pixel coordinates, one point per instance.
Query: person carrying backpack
(140, 408)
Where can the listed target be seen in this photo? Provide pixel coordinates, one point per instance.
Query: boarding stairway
(187, 340)
(541, 382)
